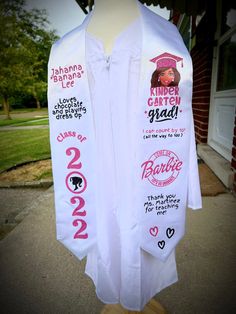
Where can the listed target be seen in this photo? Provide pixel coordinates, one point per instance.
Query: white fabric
(115, 90)
(72, 147)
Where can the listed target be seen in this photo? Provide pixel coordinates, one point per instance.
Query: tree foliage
(25, 44)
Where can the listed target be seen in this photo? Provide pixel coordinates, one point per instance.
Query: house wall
(202, 43)
(202, 55)
(202, 65)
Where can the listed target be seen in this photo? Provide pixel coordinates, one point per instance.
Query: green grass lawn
(20, 146)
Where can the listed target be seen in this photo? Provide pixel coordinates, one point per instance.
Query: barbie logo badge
(162, 168)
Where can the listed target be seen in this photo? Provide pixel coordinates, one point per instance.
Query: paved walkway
(15, 205)
(38, 275)
(29, 114)
(15, 128)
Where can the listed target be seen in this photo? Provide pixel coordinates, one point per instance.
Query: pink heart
(153, 231)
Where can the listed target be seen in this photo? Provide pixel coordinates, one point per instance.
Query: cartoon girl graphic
(166, 73)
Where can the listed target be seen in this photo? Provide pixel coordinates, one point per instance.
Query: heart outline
(154, 231)
(161, 244)
(170, 232)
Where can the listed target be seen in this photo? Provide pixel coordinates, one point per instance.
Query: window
(228, 18)
(227, 64)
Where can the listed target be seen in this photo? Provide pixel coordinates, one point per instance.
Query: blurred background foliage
(25, 41)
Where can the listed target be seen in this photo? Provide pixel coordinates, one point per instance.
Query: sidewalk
(30, 114)
(15, 128)
(38, 275)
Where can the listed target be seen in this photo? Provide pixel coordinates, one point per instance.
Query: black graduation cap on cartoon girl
(166, 60)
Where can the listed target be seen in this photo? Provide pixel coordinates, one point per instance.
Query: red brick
(235, 180)
(201, 77)
(202, 70)
(202, 85)
(204, 50)
(202, 132)
(200, 53)
(199, 85)
(201, 67)
(234, 152)
(202, 119)
(201, 93)
(198, 138)
(233, 163)
(234, 141)
(201, 82)
(201, 59)
(201, 113)
(200, 110)
(201, 139)
(203, 99)
(175, 17)
(200, 105)
(201, 125)
(234, 189)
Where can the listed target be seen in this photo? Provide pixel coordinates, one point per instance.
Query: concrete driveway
(38, 275)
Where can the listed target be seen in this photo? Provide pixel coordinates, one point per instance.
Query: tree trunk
(6, 107)
(38, 103)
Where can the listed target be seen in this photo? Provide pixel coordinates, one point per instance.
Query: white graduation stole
(164, 141)
(72, 141)
(164, 122)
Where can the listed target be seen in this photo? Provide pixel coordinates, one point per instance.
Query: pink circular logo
(162, 168)
(76, 182)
